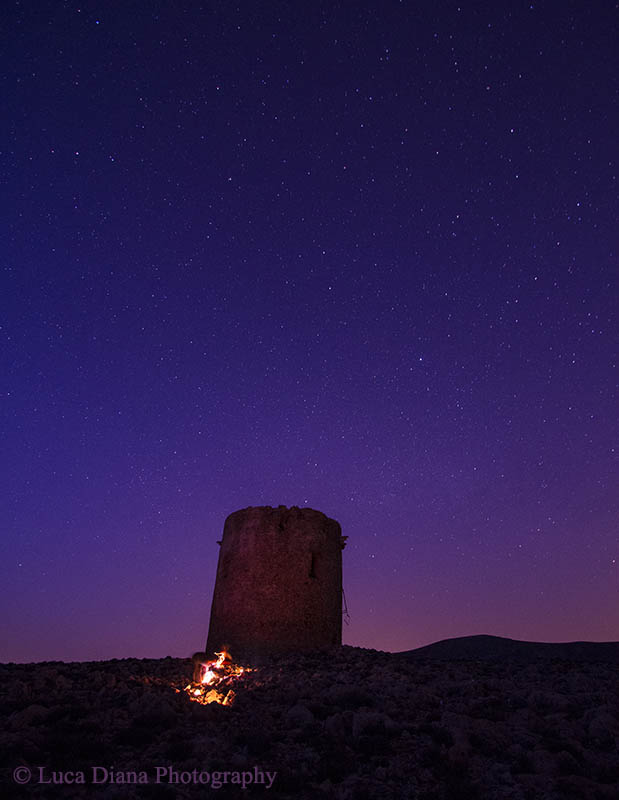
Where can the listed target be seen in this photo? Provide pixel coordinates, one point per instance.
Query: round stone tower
(279, 583)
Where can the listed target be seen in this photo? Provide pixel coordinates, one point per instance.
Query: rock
(370, 722)
(461, 750)
(298, 716)
(567, 764)
(32, 715)
(547, 701)
(335, 726)
(602, 728)
(544, 763)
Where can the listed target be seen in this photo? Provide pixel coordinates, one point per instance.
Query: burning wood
(212, 679)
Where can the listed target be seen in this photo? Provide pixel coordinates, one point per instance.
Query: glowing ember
(212, 679)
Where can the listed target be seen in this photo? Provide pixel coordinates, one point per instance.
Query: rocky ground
(351, 725)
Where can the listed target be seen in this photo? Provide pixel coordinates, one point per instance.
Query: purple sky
(359, 257)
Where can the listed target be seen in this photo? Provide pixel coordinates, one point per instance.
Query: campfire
(212, 679)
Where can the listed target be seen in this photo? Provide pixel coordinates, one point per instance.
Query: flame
(215, 680)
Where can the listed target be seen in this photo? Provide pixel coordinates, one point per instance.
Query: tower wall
(279, 583)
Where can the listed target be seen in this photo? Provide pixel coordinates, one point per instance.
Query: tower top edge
(279, 511)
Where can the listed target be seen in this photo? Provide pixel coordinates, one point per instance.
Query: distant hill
(484, 648)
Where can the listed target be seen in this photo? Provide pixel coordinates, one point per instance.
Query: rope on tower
(345, 613)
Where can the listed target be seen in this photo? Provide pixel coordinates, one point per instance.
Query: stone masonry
(279, 583)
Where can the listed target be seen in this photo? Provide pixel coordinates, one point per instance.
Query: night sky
(355, 256)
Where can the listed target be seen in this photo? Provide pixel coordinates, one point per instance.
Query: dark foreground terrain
(353, 724)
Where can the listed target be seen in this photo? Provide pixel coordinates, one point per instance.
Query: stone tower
(279, 583)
